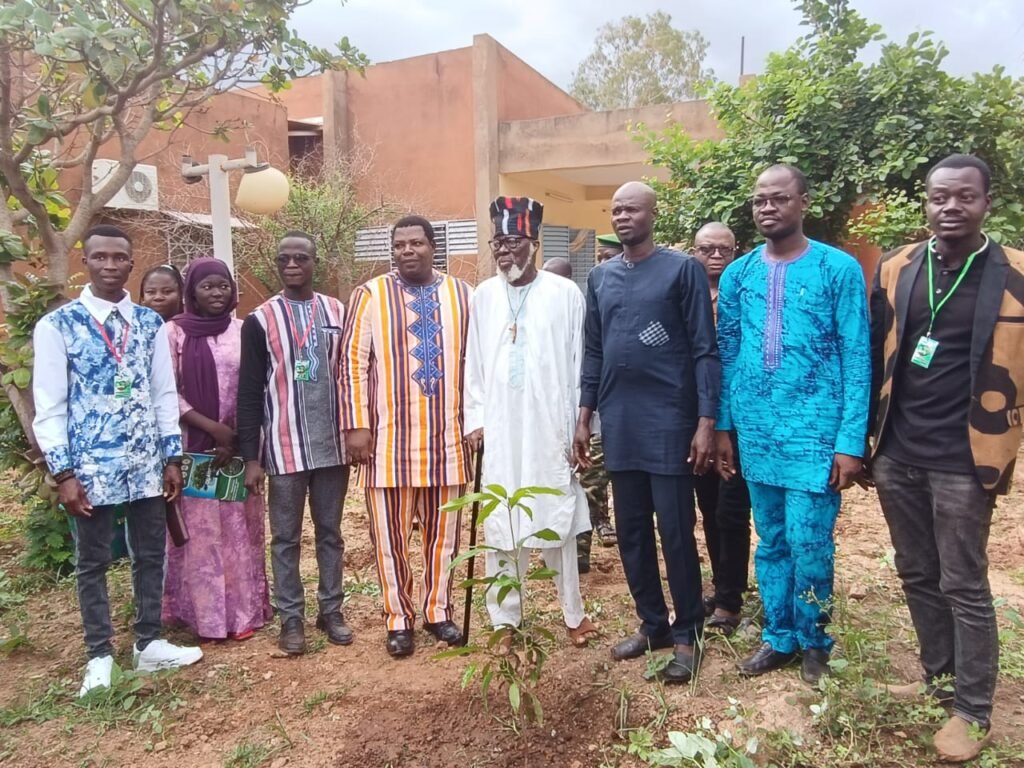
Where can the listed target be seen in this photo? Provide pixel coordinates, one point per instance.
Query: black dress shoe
(400, 642)
(764, 659)
(814, 665)
(292, 639)
(709, 606)
(682, 668)
(583, 565)
(445, 631)
(338, 632)
(636, 646)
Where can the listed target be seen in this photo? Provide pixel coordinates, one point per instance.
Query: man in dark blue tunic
(651, 369)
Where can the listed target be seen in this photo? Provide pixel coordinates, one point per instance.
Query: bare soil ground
(245, 705)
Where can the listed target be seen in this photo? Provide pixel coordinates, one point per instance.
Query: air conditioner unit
(138, 193)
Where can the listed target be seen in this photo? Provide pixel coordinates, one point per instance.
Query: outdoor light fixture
(263, 189)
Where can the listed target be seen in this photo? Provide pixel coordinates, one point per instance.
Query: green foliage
(131, 700)
(641, 61)
(324, 201)
(705, 747)
(865, 133)
(513, 657)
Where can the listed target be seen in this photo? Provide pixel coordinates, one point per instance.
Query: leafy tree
(637, 62)
(76, 75)
(865, 133)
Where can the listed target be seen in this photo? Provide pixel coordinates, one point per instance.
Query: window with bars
(186, 242)
(451, 238)
(579, 246)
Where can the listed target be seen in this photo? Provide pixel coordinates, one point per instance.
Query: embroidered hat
(519, 216)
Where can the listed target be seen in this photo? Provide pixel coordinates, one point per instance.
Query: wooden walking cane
(478, 472)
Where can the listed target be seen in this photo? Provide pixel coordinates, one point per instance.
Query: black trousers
(637, 495)
(725, 513)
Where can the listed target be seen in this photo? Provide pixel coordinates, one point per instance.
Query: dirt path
(244, 705)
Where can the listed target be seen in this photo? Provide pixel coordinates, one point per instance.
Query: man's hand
(475, 440)
(581, 442)
(172, 482)
(71, 496)
(254, 478)
(359, 446)
(724, 457)
(702, 447)
(845, 469)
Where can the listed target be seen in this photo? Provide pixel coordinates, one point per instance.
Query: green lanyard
(956, 284)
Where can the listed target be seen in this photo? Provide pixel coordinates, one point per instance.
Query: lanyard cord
(309, 326)
(956, 284)
(118, 355)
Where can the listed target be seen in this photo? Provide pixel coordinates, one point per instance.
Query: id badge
(122, 385)
(301, 370)
(924, 351)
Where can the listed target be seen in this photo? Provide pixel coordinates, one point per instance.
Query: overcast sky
(554, 35)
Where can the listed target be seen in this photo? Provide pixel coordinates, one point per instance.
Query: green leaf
(513, 697)
(22, 377)
(546, 534)
(542, 573)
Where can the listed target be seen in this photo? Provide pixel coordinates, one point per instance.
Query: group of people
(658, 379)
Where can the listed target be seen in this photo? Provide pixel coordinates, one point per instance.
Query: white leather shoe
(97, 674)
(160, 654)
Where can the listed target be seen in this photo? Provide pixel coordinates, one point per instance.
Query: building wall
(525, 94)
(580, 213)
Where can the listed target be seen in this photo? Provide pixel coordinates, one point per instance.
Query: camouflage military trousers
(595, 484)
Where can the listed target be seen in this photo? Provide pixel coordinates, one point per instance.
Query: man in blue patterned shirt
(107, 423)
(796, 375)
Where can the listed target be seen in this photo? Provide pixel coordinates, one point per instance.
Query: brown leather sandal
(581, 636)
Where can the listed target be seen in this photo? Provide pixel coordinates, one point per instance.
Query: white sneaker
(160, 654)
(97, 674)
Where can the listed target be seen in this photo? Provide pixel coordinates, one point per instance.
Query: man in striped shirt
(288, 392)
(402, 374)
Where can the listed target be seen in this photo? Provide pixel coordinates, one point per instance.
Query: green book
(202, 481)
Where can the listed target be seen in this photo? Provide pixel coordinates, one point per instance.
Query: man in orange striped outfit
(402, 372)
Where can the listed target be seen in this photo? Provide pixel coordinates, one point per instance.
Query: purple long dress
(217, 583)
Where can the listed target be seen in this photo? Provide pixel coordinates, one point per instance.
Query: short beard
(514, 273)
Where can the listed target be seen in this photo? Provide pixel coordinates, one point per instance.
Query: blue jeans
(795, 563)
(939, 524)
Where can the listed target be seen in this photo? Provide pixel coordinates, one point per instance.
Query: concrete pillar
(337, 130)
(486, 65)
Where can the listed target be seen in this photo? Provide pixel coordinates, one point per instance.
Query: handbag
(176, 525)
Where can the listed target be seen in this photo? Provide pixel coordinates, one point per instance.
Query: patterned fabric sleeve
(728, 339)
(356, 346)
(854, 341)
(50, 392)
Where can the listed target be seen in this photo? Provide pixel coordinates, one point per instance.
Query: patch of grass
(322, 697)
(249, 754)
(359, 584)
(1011, 641)
(132, 700)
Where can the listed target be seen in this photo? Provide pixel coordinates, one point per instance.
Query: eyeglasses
(509, 243)
(777, 201)
(709, 250)
(300, 259)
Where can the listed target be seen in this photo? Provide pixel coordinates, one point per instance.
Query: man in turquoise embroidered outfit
(796, 374)
(107, 422)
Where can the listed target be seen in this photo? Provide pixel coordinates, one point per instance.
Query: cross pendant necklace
(514, 328)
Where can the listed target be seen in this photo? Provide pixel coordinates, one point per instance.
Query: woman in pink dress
(217, 582)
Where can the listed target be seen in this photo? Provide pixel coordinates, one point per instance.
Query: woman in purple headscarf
(217, 582)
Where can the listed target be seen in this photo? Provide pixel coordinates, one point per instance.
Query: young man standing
(796, 376)
(402, 372)
(107, 422)
(288, 417)
(947, 331)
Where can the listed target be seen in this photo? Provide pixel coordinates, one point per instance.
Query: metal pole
(220, 210)
(472, 543)
(743, 54)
